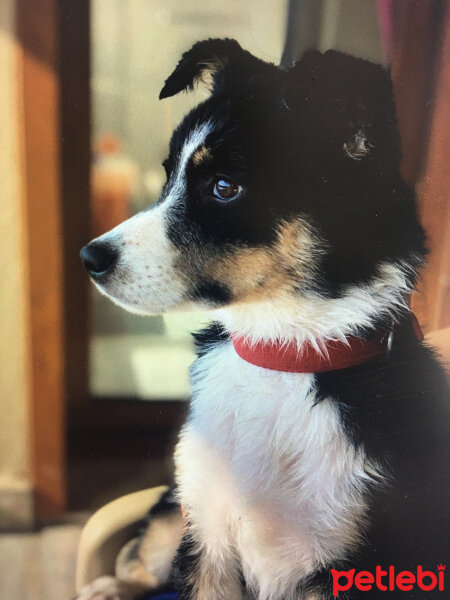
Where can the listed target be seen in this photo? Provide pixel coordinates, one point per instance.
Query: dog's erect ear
(209, 57)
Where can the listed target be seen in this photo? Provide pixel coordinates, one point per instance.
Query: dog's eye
(226, 190)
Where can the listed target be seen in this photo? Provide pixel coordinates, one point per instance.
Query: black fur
(212, 291)
(209, 337)
(185, 566)
(166, 504)
(398, 408)
(224, 57)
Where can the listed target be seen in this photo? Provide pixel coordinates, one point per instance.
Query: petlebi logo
(388, 580)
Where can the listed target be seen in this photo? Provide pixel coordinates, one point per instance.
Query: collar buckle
(389, 341)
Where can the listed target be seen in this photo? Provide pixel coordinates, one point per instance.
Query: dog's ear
(346, 99)
(209, 57)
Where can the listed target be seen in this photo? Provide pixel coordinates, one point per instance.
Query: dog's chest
(264, 468)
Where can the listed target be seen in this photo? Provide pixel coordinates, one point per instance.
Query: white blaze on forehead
(177, 180)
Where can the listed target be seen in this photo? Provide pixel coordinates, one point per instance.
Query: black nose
(98, 258)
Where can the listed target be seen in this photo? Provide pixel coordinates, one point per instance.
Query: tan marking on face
(256, 273)
(203, 154)
(293, 239)
(245, 271)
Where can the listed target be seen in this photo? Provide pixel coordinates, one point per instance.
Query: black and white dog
(316, 444)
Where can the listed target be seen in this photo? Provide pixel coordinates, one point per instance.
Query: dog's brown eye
(225, 190)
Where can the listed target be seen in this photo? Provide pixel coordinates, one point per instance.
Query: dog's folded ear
(213, 57)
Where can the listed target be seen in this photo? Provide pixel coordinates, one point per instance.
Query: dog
(316, 446)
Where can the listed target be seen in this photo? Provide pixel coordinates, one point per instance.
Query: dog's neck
(315, 320)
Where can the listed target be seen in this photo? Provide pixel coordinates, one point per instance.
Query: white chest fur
(267, 473)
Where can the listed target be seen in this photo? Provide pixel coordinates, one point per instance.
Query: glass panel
(135, 46)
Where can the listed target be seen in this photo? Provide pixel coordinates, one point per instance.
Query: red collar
(335, 355)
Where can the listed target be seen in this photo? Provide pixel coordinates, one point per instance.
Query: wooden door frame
(37, 31)
(53, 38)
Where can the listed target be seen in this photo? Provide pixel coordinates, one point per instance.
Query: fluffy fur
(286, 486)
(315, 238)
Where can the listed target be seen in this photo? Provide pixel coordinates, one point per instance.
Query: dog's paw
(108, 588)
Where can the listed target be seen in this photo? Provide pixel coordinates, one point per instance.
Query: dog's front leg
(201, 573)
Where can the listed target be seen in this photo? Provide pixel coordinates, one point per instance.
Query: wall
(15, 485)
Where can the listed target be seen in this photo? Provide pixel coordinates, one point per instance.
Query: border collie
(317, 436)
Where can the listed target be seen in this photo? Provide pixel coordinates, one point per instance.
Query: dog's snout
(98, 258)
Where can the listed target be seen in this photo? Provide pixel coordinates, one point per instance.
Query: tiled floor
(41, 565)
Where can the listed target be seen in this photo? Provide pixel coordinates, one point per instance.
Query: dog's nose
(98, 258)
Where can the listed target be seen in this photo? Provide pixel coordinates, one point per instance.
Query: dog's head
(283, 193)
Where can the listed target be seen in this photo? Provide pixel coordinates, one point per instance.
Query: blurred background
(91, 398)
